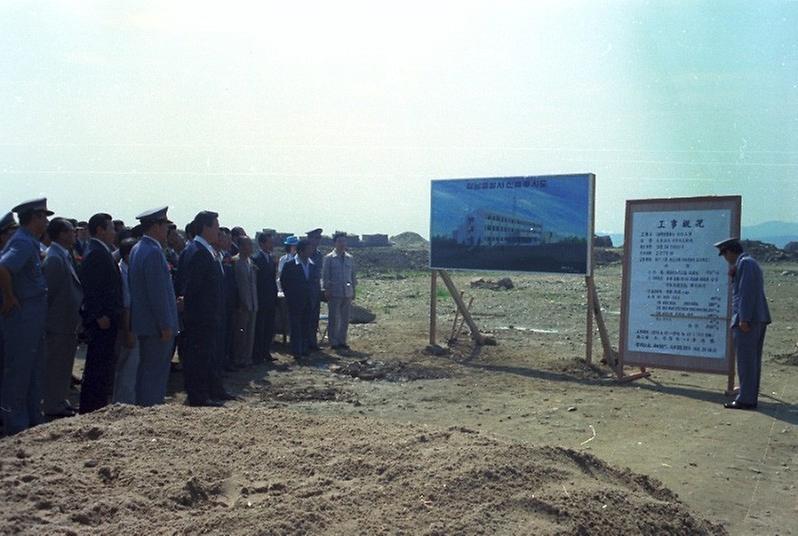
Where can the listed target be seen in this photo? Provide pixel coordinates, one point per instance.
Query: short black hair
(99, 221)
(224, 230)
(126, 245)
(119, 223)
(302, 245)
(238, 231)
(56, 227)
(202, 220)
(338, 235)
(190, 230)
(263, 237)
(124, 234)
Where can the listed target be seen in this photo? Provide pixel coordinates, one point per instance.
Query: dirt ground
(534, 402)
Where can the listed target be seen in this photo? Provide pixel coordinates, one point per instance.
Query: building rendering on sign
(487, 228)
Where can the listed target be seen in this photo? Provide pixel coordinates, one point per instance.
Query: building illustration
(488, 228)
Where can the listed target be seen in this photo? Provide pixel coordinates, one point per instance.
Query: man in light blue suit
(153, 308)
(750, 318)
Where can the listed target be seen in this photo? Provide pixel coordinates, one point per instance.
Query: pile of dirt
(410, 240)
(310, 393)
(372, 261)
(394, 371)
(580, 369)
(605, 257)
(173, 469)
(765, 252)
(504, 283)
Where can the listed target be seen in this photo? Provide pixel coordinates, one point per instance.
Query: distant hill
(778, 233)
(409, 239)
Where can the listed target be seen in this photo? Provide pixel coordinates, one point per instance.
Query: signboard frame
(590, 231)
(675, 361)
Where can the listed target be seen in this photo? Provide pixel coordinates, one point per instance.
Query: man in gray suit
(750, 317)
(246, 313)
(153, 308)
(64, 297)
(339, 281)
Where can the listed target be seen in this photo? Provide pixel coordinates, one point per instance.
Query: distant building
(487, 228)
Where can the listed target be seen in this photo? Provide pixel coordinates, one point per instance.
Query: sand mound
(176, 470)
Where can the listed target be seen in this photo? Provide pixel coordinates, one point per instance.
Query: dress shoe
(64, 413)
(738, 405)
(228, 396)
(208, 404)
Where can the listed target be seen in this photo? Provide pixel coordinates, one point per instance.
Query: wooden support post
(589, 334)
(475, 334)
(454, 324)
(609, 354)
(433, 309)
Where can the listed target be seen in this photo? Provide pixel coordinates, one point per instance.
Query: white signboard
(676, 292)
(679, 285)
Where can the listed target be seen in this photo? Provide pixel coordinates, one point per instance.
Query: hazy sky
(337, 114)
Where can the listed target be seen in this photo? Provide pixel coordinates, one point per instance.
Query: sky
(296, 115)
(557, 204)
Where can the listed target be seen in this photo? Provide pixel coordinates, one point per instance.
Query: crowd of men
(139, 296)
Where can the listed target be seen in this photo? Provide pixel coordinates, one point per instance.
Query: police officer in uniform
(24, 313)
(153, 308)
(750, 318)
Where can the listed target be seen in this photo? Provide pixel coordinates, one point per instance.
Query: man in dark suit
(750, 318)
(297, 278)
(314, 237)
(102, 308)
(153, 308)
(267, 297)
(64, 298)
(203, 297)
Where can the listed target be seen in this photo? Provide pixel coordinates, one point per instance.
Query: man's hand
(745, 327)
(104, 323)
(166, 335)
(130, 340)
(10, 303)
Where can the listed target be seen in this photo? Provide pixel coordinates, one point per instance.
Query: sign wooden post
(433, 309)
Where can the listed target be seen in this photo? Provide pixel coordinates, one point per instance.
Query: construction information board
(676, 287)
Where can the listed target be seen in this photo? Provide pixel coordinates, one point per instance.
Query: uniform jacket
(267, 279)
(247, 284)
(338, 275)
(21, 257)
(64, 292)
(748, 298)
(152, 295)
(102, 285)
(297, 288)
